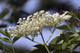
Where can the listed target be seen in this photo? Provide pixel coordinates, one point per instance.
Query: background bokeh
(12, 10)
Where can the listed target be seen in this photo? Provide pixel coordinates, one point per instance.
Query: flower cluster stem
(44, 43)
(12, 48)
(51, 34)
(34, 41)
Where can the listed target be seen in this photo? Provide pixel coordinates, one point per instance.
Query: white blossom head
(34, 23)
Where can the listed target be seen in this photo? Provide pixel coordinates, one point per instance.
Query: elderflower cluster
(34, 23)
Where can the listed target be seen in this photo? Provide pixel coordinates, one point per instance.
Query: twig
(51, 35)
(50, 29)
(44, 42)
(12, 48)
(34, 41)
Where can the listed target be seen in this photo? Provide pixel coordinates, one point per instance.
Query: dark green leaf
(78, 15)
(1, 45)
(79, 33)
(64, 46)
(39, 46)
(65, 37)
(11, 20)
(74, 40)
(78, 38)
(40, 49)
(15, 39)
(5, 11)
(66, 27)
(5, 33)
(5, 39)
(57, 46)
(56, 40)
(69, 33)
(73, 15)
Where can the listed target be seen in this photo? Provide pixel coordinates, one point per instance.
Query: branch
(34, 41)
(51, 34)
(44, 42)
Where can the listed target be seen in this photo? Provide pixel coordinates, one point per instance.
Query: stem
(49, 29)
(12, 48)
(46, 48)
(51, 35)
(5, 48)
(34, 41)
(44, 43)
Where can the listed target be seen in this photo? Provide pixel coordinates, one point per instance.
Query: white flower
(66, 17)
(36, 13)
(34, 23)
(24, 18)
(42, 11)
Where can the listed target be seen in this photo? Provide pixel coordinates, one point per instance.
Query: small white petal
(24, 18)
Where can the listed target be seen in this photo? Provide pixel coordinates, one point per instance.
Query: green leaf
(5, 33)
(39, 46)
(15, 39)
(40, 49)
(57, 46)
(5, 39)
(5, 11)
(73, 15)
(66, 27)
(64, 46)
(1, 45)
(70, 42)
(69, 33)
(11, 20)
(74, 40)
(79, 32)
(78, 38)
(65, 37)
(56, 40)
